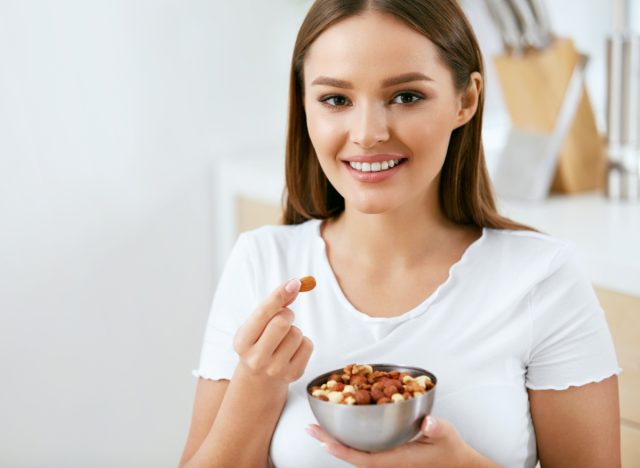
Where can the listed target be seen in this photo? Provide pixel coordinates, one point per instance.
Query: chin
(372, 206)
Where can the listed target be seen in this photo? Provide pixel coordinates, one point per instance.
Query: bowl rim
(383, 367)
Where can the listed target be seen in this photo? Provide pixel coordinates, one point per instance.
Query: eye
(335, 101)
(407, 97)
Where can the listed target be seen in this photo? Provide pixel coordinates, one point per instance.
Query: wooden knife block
(533, 86)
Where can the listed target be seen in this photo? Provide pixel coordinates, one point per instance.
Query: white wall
(112, 114)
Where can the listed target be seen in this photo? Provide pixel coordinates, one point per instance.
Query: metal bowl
(372, 428)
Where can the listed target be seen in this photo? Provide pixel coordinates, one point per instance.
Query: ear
(469, 99)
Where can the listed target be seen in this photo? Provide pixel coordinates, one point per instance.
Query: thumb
(280, 298)
(288, 293)
(435, 428)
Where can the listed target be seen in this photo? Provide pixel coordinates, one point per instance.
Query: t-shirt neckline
(410, 314)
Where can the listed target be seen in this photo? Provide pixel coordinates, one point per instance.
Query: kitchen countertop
(607, 234)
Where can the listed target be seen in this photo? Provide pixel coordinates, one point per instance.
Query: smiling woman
(376, 115)
(389, 206)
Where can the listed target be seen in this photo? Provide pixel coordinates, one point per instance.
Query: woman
(390, 207)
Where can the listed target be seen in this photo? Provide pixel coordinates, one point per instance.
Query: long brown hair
(465, 191)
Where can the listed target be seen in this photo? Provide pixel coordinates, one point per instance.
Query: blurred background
(133, 133)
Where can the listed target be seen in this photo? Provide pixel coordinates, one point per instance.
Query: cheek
(426, 136)
(326, 134)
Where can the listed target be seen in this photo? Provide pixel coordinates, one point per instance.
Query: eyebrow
(396, 80)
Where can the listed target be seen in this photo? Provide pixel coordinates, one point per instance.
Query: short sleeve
(570, 344)
(233, 301)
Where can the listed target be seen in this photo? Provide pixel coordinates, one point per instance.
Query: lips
(371, 158)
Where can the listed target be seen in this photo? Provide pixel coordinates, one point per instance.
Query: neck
(401, 237)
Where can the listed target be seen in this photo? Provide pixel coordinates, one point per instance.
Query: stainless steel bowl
(373, 427)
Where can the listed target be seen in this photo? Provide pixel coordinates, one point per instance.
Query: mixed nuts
(359, 384)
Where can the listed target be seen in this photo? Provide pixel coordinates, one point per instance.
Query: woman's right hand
(269, 345)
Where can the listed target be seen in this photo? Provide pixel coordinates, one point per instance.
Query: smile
(374, 166)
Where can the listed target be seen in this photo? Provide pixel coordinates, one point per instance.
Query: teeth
(374, 167)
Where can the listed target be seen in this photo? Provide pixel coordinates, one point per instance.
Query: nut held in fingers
(307, 283)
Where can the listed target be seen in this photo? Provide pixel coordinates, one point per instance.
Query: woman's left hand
(438, 444)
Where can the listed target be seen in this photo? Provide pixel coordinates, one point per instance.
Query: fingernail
(431, 424)
(292, 285)
(311, 431)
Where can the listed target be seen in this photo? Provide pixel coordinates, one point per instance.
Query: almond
(307, 283)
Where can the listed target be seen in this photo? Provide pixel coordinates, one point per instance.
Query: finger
(282, 296)
(274, 333)
(437, 429)
(338, 450)
(301, 357)
(289, 345)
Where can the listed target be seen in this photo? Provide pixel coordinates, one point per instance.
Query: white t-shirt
(516, 312)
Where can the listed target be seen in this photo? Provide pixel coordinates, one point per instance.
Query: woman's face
(380, 106)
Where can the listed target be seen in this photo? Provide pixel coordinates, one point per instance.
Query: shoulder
(526, 240)
(282, 246)
(279, 236)
(528, 253)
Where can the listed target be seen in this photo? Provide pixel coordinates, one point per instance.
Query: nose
(369, 126)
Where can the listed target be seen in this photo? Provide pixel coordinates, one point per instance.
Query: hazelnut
(390, 390)
(338, 387)
(377, 386)
(376, 394)
(395, 382)
(383, 400)
(363, 397)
